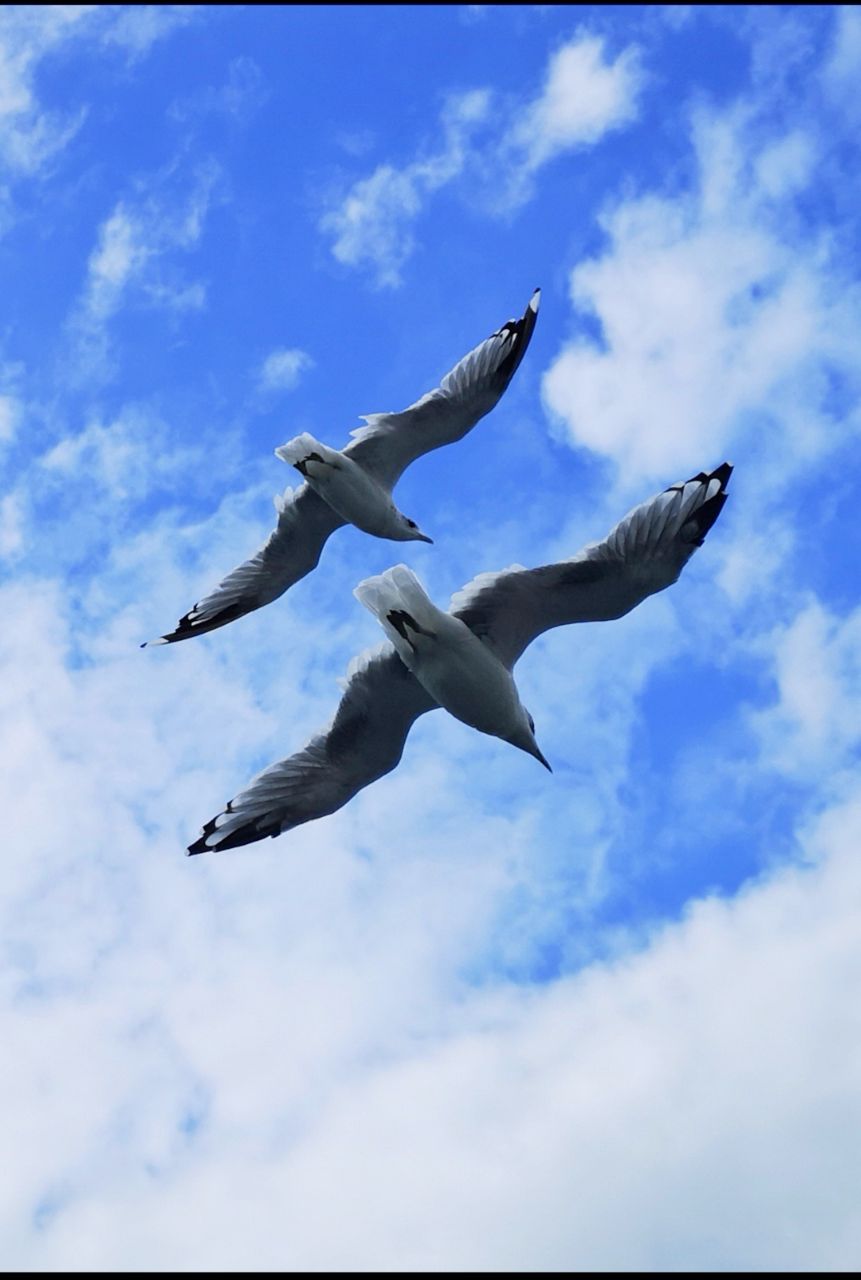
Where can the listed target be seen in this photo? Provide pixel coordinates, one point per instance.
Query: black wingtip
(200, 845)
(252, 831)
(522, 330)
(723, 473)
(704, 517)
(187, 627)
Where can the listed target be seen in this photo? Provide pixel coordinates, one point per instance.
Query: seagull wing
(644, 553)
(292, 550)
(364, 741)
(391, 441)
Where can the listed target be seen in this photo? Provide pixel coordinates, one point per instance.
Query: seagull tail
(300, 448)
(399, 602)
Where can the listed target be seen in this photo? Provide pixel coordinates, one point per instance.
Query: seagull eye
(531, 722)
(412, 524)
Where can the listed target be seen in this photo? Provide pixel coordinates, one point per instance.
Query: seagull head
(410, 532)
(524, 738)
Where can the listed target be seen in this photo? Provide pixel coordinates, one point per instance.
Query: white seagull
(354, 486)
(643, 554)
(349, 489)
(458, 670)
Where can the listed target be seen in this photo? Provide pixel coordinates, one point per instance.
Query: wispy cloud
(11, 524)
(585, 96)
(10, 413)
(841, 71)
(372, 227)
(282, 369)
(31, 135)
(243, 92)
(135, 28)
(132, 255)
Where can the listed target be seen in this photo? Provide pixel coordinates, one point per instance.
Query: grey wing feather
(364, 741)
(644, 553)
(291, 551)
(391, 441)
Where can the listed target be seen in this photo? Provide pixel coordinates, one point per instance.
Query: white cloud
(177, 1057)
(841, 71)
(121, 254)
(814, 725)
(585, 96)
(133, 251)
(244, 91)
(137, 27)
(10, 412)
(127, 452)
(712, 309)
(11, 525)
(30, 135)
(786, 166)
(499, 145)
(372, 226)
(291, 1028)
(282, 369)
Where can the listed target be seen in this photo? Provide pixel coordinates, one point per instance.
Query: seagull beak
(422, 537)
(524, 739)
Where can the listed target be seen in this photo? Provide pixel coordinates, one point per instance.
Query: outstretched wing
(292, 550)
(364, 742)
(644, 553)
(391, 441)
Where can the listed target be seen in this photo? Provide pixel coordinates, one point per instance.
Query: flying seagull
(350, 489)
(354, 485)
(643, 554)
(458, 671)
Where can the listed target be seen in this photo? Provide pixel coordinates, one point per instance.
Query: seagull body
(645, 553)
(381, 450)
(350, 490)
(458, 671)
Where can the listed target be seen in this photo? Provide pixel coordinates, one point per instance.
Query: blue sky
(483, 1016)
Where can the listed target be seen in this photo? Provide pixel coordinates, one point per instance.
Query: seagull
(349, 489)
(645, 553)
(458, 671)
(354, 486)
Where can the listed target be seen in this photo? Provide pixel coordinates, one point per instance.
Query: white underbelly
(471, 683)
(353, 494)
